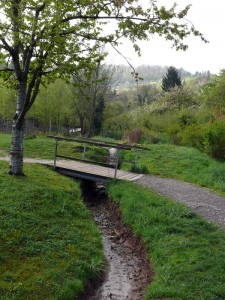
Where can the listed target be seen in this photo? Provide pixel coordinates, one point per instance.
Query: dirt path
(201, 200)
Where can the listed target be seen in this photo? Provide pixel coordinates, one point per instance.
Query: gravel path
(201, 200)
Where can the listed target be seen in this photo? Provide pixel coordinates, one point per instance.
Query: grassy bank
(184, 163)
(187, 253)
(49, 247)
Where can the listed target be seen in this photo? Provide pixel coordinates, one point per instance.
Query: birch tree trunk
(16, 154)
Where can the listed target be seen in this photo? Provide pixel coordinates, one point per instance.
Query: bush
(115, 127)
(214, 139)
(193, 136)
(209, 138)
(174, 131)
(133, 136)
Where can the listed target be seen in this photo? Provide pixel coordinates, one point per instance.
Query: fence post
(84, 151)
(55, 154)
(117, 162)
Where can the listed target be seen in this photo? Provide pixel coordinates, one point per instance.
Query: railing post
(117, 162)
(84, 151)
(55, 154)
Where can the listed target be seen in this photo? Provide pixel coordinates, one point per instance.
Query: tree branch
(7, 70)
(96, 17)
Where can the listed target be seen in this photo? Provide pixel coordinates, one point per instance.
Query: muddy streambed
(127, 272)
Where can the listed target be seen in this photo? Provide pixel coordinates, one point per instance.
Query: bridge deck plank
(97, 170)
(84, 168)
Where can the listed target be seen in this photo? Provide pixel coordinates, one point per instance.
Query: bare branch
(126, 59)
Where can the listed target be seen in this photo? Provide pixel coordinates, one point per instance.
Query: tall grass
(49, 246)
(186, 252)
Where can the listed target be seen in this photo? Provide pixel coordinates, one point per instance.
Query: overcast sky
(208, 16)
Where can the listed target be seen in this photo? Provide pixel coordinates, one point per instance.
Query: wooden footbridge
(92, 166)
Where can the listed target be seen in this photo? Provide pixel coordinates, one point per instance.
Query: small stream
(128, 272)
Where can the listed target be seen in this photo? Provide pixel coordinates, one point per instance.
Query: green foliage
(193, 136)
(186, 252)
(90, 89)
(213, 92)
(178, 98)
(209, 138)
(116, 121)
(214, 139)
(51, 45)
(53, 107)
(171, 79)
(148, 94)
(7, 102)
(50, 248)
(173, 131)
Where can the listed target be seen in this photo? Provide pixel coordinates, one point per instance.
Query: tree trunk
(16, 154)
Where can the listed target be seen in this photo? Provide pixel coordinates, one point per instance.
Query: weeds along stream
(127, 270)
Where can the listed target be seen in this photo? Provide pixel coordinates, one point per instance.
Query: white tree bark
(16, 154)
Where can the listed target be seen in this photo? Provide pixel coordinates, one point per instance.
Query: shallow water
(127, 273)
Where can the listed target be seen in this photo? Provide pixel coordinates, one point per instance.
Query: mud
(127, 273)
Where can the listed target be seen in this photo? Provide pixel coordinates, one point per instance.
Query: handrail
(100, 143)
(86, 141)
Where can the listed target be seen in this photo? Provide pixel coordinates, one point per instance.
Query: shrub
(133, 136)
(193, 136)
(174, 133)
(209, 138)
(214, 139)
(115, 126)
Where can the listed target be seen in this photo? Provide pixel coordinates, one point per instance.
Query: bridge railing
(114, 161)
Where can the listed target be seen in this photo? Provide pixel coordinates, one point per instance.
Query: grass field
(186, 253)
(43, 147)
(183, 163)
(49, 246)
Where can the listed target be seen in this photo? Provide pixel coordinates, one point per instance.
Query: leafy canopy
(43, 39)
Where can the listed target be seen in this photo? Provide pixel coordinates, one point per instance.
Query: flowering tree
(41, 40)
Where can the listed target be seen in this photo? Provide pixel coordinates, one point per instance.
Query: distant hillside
(153, 74)
(148, 73)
